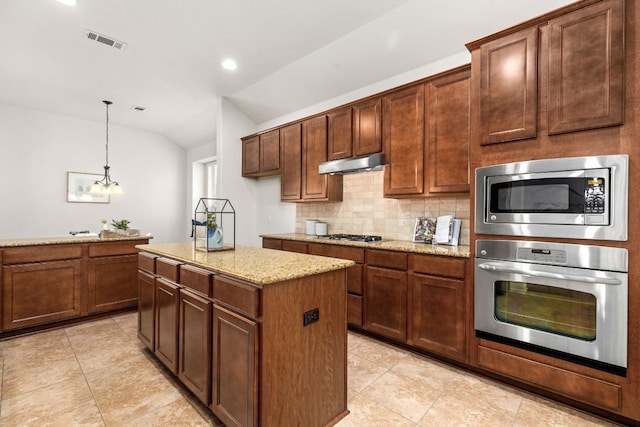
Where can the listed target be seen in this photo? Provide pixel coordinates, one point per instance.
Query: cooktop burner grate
(352, 237)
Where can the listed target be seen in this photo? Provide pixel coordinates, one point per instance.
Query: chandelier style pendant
(106, 185)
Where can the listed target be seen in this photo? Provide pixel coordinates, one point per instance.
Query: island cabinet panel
(40, 292)
(367, 127)
(112, 283)
(586, 68)
(403, 138)
(291, 166)
(197, 280)
(340, 132)
(237, 295)
(235, 369)
(166, 323)
(147, 262)
(385, 302)
(146, 306)
(194, 360)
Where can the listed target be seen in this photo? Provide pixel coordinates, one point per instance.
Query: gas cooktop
(352, 237)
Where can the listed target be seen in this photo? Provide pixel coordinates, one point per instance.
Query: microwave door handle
(494, 266)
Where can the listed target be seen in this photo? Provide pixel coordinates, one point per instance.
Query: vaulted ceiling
(290, 53)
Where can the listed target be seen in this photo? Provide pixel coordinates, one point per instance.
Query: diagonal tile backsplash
(364, 210)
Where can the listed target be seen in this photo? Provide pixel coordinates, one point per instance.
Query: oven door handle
(494, 266)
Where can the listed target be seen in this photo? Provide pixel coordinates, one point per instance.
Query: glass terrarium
(214, 225)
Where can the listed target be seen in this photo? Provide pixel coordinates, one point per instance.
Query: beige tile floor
(99, 374)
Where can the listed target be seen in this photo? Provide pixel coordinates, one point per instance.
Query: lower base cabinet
(110, 281)
(146, 304)
(385, 302)
(194, 344)
(166, 323)
(235, 370)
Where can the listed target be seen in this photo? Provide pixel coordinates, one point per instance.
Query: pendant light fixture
(106, 185)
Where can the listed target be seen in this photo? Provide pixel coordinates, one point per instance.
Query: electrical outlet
(310, 316)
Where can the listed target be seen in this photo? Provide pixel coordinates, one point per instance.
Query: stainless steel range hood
(372, 162)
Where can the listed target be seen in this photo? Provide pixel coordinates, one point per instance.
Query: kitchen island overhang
(293, 333)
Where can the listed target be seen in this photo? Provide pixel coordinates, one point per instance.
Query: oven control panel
(547, 256)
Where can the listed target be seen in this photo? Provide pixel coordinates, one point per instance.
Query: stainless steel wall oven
(562, 299)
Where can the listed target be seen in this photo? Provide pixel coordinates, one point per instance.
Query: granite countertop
(255, 265)
(65, 240)
(389, 245)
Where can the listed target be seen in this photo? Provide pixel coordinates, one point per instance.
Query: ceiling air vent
(109, 41)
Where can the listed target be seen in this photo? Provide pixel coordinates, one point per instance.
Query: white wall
(195, 168)
(38, 149)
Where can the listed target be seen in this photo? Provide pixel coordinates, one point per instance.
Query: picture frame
(79, 186)
(424, 230)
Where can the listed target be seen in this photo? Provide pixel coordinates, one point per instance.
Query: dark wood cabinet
(41, 292)
(146, 305)
(339, 136)
(403, 137)
(235, 368)
(448, 133)
(112, 283)
(291, 166)
(314, 151)
(385, 302)
(367, 127)
(261, 154)
(586, 68)
(194, 360)
(509, 87)
(166, 323)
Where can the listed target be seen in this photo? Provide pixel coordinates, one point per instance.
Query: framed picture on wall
(424, 230)
(79, 186)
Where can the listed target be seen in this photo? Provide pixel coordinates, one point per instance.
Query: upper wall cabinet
(403, 136)
(367, 127)
(448, 133)
(261, 154)
(291, 179)
(340, 134)
(314, 151)
(509, 87)
(586, 68)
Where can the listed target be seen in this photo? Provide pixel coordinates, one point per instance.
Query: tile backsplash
(364, 210)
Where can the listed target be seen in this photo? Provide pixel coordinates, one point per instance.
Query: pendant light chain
(107, 143)
(106, 185)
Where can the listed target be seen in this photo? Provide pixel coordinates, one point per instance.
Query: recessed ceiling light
(68, 2)
(229, 64)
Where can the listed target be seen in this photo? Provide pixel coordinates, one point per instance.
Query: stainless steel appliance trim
(536, 225)
(372, 162)
(504, 268)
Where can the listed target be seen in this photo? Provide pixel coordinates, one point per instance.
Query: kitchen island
(258, 335)
(50, 282)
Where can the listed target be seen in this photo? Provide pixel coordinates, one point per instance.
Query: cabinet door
(291, 172)
(586, 68)
(166, 311)
(509, 87)
(112, 283)
(43, 292)
(250, 155)
(235, 368)
(438, 315)
(403, 135)
(270, 152)
(385, 306)
(367, 127)
(146, 299)
(340, 134)
(354, 296)
(448, 118)
(194, 361)
(314, 152)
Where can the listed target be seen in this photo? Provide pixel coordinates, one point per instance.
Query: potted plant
(214, 232)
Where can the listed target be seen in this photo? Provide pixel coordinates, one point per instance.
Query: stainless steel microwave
(575, 197)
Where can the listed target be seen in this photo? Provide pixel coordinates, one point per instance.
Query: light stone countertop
(389, 245)
(255, 265)
(65, 240)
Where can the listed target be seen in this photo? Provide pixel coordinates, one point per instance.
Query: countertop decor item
(106, 185)
(214, 224)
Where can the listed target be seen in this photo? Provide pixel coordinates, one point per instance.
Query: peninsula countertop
(460, 251)
(66, 240)
(252, 264)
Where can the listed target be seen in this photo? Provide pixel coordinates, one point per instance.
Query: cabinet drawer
(291, 246)
(395, 260)
(354, 279)
(335, 251)
(272, 243)
(115, 248)
(439, 266)
(168, 268)
(41, 253)
(197, 279)
(147, 262)
(237, 295)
